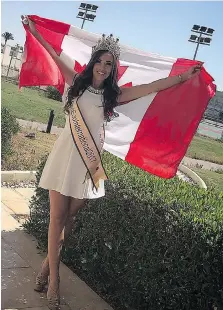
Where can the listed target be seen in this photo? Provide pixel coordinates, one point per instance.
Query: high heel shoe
(41, 284)
(42, 278)
(53, 298)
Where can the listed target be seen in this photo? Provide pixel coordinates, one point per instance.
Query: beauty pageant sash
(86, 146)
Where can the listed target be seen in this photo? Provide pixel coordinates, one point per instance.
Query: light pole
(83, 13)
(203, 39)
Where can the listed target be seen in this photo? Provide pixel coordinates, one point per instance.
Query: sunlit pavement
(21, 261)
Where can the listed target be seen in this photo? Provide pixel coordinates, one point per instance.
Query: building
(11, 60)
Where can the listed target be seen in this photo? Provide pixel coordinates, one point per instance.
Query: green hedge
(9, 127)
(149, 244)
(53, 93)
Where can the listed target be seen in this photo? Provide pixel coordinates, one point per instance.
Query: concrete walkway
(21, 261)
(192, 162)
(38, 126)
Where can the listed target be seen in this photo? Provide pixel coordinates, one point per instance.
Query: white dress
(65, 171)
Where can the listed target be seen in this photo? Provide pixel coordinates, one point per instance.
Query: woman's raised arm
(135, 92)
(67, 72)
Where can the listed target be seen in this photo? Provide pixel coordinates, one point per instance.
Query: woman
(73, 172)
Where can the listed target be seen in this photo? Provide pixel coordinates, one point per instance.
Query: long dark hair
(83, 81)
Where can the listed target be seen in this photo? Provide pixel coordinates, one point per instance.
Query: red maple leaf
(127, 85)
(78, 67)
(121, 70)
(124, 86)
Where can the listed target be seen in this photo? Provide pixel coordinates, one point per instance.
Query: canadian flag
(152, 132)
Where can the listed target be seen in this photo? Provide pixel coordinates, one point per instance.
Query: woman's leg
(74, 206)
(59, 206)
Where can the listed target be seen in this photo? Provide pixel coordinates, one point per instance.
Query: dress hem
(67, 195)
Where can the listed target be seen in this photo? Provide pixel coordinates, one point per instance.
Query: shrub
(148, 244)
(53, 93)
(9, 127)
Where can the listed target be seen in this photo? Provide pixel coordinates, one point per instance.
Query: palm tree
(7, 36)
(14, 50)
(16, 47)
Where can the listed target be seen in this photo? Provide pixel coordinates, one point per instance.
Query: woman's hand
(30, 24)
(193, 71)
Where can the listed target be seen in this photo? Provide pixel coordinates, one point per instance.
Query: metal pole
(9, 65)
(50, 121)
(84, 18)
(198, 43)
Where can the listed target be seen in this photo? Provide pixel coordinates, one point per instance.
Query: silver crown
(108, 44)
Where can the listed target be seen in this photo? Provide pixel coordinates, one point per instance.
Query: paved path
(191, 162)
(38, 126)
(206, 128)
(21, 261)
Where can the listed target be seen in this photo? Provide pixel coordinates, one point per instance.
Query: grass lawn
(211, 178)
(28, 152)
(206, 149)
(30, 104)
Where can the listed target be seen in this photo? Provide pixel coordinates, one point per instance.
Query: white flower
(108, 245)
(83, 261)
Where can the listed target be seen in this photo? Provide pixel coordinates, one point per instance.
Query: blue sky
(159, 27)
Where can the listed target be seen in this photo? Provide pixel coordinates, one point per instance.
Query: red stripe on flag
(52, 31)
(39, 68)
(170, 123)
(50, 24)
